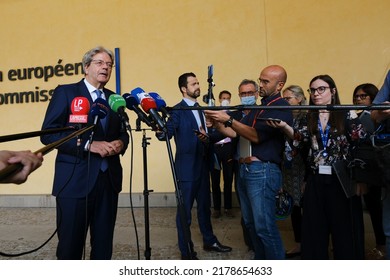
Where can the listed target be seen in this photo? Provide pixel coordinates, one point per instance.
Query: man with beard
(260, 177)
(193, 163)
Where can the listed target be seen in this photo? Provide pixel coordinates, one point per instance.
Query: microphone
(80, 109)
(99, 110)
(161, 105)
(132, 103)
(149, 106)
(117, 104)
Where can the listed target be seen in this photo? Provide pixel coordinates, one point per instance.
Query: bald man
(260, 175)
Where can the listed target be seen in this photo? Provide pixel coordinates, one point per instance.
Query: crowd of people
(332, 162)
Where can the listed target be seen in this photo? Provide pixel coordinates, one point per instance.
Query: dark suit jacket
(191, 153)
(75, 175)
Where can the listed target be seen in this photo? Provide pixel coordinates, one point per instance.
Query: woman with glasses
(370, 174)
(328, 214)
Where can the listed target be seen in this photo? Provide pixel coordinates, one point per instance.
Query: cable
(58, 222)
(130, 194)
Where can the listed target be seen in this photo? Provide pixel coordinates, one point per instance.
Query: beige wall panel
(158, 41)
(161, 39)
(346, 39)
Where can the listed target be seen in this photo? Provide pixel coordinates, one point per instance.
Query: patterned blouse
(338, 146)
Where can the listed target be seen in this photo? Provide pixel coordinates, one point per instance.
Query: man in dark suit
(193, 165)
(88, 176)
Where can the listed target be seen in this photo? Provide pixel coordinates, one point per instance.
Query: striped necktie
(104, 164)
(100, 94)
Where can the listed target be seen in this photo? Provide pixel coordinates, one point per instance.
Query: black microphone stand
(146, 192)
(180, 202)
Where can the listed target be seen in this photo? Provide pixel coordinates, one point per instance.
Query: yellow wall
(161, 39)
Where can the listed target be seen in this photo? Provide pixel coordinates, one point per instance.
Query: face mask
(248, 100)
(225, 102)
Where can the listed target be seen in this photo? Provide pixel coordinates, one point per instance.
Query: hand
(361, 189)
(286, 129)
(219, 116)
(277, 124)
(380, 115)
(27, 159)
(105, 149)
(202, 135)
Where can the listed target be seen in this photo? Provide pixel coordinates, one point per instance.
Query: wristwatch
(229, 122)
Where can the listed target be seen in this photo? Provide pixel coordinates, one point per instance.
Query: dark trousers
(96, 212)
(327, 212)
(225, 159)
(374, 206)
(296, 221)
(198, 191)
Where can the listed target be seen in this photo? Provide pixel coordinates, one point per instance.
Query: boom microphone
(117, 104)
(161, 105)
(149, 106)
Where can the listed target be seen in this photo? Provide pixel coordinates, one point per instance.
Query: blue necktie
(104, 164)
(201, 118)
(103, 122)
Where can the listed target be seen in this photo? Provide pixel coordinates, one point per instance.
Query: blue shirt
(271, 145)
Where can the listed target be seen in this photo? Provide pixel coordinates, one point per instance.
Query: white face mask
(225, 102)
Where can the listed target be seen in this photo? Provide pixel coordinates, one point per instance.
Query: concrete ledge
(155, 200)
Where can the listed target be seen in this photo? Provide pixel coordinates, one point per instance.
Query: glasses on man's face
(360, 96)
(100, 63)
(320, 90)
(246, 93)
(262, 82)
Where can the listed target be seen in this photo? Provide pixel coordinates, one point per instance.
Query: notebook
(367, 122)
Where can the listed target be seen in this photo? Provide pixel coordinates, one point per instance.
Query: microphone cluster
(151, 103)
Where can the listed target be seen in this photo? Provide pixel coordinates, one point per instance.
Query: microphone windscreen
(148, 103)
(131, 100)
(157, 98)
(116, 101)
(99, 108)
(136, 91)
(80, 106)
(210, 70)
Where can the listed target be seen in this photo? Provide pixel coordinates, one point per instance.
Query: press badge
(325, 169)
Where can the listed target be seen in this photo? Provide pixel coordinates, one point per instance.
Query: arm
(380, 115)
(27, 159)
(237, 128)
(383, 97)
(286, 129)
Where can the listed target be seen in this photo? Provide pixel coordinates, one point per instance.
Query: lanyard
(260, 112)
(324, 137)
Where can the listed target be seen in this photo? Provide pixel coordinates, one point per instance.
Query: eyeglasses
(288, 98)
(261, 81)
(247, 93)
(360, 96)
(320, 90)
(101, 63)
